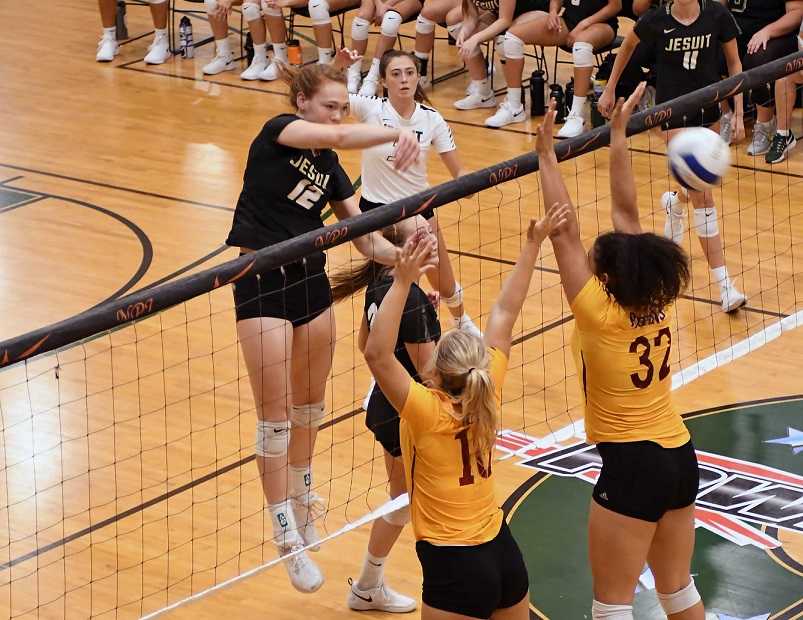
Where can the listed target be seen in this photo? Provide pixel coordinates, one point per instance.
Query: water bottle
(537, 106)
(556, 93)
(186, 44)
(120, 24)
(569, 95)
(249, 48)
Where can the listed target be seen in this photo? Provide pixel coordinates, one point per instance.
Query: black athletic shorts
(383, 421)
(573, 15)
(474, 580)
(367, 205)
(704, 117)
(298, 292)
(640, 479)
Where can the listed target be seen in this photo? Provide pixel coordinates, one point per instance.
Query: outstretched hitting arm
(624, 204)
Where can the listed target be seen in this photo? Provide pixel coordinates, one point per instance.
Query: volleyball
(698, 158)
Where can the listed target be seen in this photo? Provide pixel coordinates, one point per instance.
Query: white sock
(325, 55)
(261, 52)
(285, 530)
(783, 132)
(159, 32)
(483, 86)
(514, 97)
(280, 52)
(300, 481)
(578, 105)
(373, 569)
(223, 47)
(110, 33)
(720, 275)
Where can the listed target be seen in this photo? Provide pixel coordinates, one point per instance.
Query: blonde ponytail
(462, 364)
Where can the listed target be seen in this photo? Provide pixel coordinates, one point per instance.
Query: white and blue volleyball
(698, 158)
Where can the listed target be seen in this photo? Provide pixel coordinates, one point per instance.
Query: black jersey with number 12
(687, 57)
(285, 189)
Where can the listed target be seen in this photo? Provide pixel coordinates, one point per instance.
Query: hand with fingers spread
(544, 143)
(623, 110)
(407, 150)
(468, 48)
(552, 220)
(415, 259)
(557, 218)
(758, 41)
(553, 23)
(222, 9)
(345, 57)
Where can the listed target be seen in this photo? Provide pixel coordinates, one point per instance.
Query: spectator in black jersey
(687, 37)
(284, 321)
(419, 331)
(585, 25)
(768, 30)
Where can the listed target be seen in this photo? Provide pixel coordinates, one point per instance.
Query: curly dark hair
(644, 273)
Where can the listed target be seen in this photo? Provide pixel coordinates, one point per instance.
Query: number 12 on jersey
(305, 194)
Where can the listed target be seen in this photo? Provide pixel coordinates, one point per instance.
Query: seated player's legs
(433, 12)
(360, 28)
(784, 139)
(274, 21)
(705, 218)
(389, 29)
(320, 15)
(218, 16)
(159, 49)
(252, 15)
(479, 93)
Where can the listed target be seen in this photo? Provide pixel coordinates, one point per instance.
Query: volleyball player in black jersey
(768, 30)
(584, 26)
(687, 37)
(284, 320)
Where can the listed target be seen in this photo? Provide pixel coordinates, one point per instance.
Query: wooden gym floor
(126, 477)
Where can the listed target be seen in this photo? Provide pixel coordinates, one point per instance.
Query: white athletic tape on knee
(514, 46)
(611, 612)
(359, 29)
(583, 54)
(319, 12)
(272, 11)
(252, 11)
(454, 29)
(424, 25)
(456, 299)
(272, 438)
(391, 23)
(681, 600)
(210, 6)
(308, 416)
(705, 222)
(399, 517)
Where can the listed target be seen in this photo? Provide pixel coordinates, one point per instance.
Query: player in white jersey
(382, 183)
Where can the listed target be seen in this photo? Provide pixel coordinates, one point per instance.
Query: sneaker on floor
(732, 298)
(726, 127)
(762, 137)
(219, 64)
(308, 509)
(465, 324)
(271, 72)
(675, 217)
(255, 69)
(107, 49)
(380, 598)
(354, 78)
(304, 573)
(779, 147)
(505, 115)
(369, 86)
(158, 51)
(573, 127)
(476, 98)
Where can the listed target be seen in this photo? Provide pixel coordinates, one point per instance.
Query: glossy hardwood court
(126, 481)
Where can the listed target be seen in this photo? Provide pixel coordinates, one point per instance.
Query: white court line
(387, 507)
(684, 377)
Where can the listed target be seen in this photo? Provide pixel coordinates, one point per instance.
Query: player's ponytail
(462, 364)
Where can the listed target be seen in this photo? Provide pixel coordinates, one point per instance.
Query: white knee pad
(611, 612)
(359, 29)
(514, 46)
(456, 299)
(308, 416)
(680, 600)
(272, 438)
(391, 23)
(399, 517)
(273, 11)
(210, 6)
(705, 222)
(424, 25)
(319, 12)
(156, 1)
(251, 11)
(454, 29)
(583, 54)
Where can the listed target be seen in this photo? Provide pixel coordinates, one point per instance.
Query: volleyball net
(127, 482)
